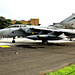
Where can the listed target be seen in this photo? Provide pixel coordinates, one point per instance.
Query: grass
(69, 70)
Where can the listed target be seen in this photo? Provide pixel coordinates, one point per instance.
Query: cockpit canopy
(16, 26)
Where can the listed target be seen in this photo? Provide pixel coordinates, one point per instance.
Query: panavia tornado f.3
(52, 32)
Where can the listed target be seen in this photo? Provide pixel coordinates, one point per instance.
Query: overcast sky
(48, 11)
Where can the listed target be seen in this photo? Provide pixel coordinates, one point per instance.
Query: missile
(34, 37)
(40, 37)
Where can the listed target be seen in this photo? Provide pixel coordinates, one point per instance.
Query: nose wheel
(13, 41)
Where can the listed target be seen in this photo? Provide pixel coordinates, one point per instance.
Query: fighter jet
(51, 32)
(55, 31)
(19, 30)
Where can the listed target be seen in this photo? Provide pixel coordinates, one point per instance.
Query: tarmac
(8, 41)
(28, 57)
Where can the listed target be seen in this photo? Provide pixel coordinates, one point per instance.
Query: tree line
(6, 22)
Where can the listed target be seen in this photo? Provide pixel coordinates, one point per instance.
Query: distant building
(31, 21)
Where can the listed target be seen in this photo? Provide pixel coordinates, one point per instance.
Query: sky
(48, 11)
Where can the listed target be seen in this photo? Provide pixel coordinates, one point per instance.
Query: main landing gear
(45, 42)
(70, 39)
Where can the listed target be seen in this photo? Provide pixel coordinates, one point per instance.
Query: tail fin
(68, 20)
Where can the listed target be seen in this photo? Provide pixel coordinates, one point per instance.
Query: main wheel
(70, 39)
(45, 42)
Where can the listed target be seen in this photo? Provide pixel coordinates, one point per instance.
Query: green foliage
(18, 22)
(70, 70)
(28, 24)
(4, 22)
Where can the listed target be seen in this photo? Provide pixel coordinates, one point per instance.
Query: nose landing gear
(13, 41)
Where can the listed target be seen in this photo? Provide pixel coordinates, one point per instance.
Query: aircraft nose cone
(3, 32)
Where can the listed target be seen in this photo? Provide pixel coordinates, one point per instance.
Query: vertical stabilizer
(68, 20)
